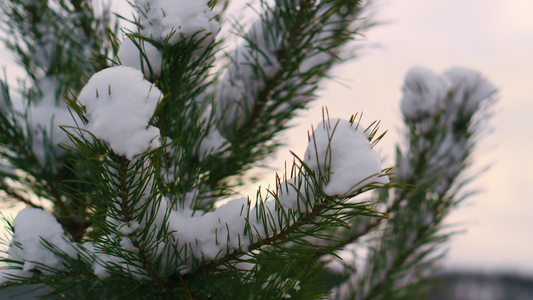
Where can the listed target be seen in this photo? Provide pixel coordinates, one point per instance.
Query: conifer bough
(128, 155)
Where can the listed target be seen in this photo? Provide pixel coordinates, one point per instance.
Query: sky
(494, 37)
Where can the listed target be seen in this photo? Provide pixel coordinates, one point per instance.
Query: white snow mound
(31, 226)
(424, 93)
(337, 146)
(161, 18)
(470, 87)
(120, 103)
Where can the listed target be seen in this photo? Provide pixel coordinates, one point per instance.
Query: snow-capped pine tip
(470, 87)
(162, 19)
(342, 151)
(424, 93)
(121, 117)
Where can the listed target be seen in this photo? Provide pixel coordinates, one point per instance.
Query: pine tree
(128, 148)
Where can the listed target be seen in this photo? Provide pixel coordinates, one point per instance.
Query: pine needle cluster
(128, 146)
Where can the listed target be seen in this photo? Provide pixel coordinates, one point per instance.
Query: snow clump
(31, 226)
(467, 91)
(162, 18)
(341, 150)
(130, 56)
(424, 93)
(469, 86)
(233, 226)
(120, 103)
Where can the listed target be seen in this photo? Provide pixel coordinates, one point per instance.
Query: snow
(18, 105)
(287, 284)
(128, 228)
(6, 168)
(120, 103)
(318, 55)
(447, 159)
(162, 18)
(104, 262)
(335, 265)
(338, 149)
(207, 234)
(466, 90)
(99, 269)
(130, 56)
(219, 232)
(313, 61)
(31, 225)
(214, 142)
(45, 48)
(254, 62)
(127, 243)
(293, 193)
(46, 116)
(470, 87)
(424, 93)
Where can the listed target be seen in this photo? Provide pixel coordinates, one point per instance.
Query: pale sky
(492, 36)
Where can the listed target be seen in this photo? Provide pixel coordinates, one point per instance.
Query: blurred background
(494, 37)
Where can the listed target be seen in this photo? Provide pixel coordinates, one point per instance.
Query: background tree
(129, 196)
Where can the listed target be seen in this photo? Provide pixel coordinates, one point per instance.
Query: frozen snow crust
(120, 104)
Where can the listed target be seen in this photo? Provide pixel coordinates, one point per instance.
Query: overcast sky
(492, 36)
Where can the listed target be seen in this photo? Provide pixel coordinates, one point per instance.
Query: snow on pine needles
(425, 92)
(120, 104)
(173, 19)
(32, 227)
(342, 150)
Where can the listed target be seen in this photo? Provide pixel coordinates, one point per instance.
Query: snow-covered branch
(276, 70)
(444, 114)
(139, 200)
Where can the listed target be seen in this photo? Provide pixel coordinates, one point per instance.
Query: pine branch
(305, 220)
(162, 135)
(437, 155)
(125, 203)
(265, 94)
(311, 38)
